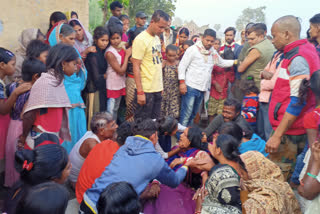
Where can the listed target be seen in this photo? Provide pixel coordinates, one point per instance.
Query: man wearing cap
(141, 19)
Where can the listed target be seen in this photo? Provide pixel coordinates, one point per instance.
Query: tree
(217, 27)
(250, 15)
(149, 6)
(99, 10)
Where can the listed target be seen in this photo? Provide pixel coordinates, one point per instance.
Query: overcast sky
(226, 12)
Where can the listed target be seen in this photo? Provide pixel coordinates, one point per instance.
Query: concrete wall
(17, 15)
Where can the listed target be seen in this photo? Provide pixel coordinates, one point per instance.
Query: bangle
(314, 176)
(185, 167)
(197, 212)
(181, 81)
(140, 92)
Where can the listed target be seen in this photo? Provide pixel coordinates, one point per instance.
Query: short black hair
(115, 5)
(133, 34)
(35, 48)
(55, 197)
(233, 129)
(210, 32)
(258, 28)
(230, 29)
(167, 124)
(119, 197)
(315, 19)
(30, 67)
(247, 133)
(249, 86)
(124, 131)
(189, 43)
(233, 102)
(144, 127)
(171, 48)
(160, 14)
(74, 13)
(124, 17)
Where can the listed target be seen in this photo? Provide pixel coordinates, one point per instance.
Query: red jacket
(223, 77)
(281, 93)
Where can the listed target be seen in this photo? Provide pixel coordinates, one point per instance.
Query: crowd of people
(114, 117)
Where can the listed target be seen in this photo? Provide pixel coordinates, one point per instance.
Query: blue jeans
(190, 105)
(263, 123)
(299, 165)
(113, 106)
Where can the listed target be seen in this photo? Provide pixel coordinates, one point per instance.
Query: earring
(63, 68)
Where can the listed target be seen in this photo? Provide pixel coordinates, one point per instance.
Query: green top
(266, 50)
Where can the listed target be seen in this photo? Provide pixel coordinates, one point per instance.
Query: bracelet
(155, 182)
(181, 81)
(197, 212)
(140, 92)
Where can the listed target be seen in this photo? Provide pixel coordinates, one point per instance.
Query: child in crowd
(31, 71)
(24, 40)
(170, 105)
(183, 36)
(7, 68)
(96, 64)
(117, 65)
(250, 103)
(187, 44)
(130, 83)
(126, 22)
(74, 85)
(53, 195)
(38, 50)
(220, 79)
(43, 164)
(49, 101)
(163, 47)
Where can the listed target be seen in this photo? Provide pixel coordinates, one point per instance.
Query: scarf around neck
(203, 50)
(232, 46)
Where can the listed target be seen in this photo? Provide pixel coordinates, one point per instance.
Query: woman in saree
(83, 41)
(74, 84)
(179, 200)
(263, 189)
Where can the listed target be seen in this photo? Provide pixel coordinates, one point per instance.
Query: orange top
(94, 165)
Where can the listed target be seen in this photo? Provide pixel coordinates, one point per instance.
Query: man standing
(258, 55)
(230, 50)
(195, 71)
(286, 111)
(147, 67)
(116, 10)
(169, 35)
(141, 19)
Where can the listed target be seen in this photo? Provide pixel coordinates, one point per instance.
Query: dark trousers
(152, 107)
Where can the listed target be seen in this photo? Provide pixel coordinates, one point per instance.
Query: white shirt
(76, 159)
(196, 71)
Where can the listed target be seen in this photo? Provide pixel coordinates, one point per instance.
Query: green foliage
(250, 15)
(95, 14)
(99, 10)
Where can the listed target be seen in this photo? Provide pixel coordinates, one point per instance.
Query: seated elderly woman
(263, 189)
(179, 200)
